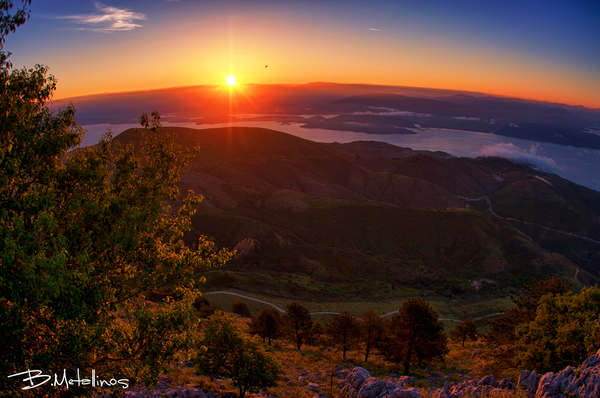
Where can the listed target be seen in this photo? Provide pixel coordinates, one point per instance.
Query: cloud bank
(108, 19)
(513, 152)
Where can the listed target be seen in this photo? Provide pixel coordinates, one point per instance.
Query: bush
(225, 351)
(241, 308)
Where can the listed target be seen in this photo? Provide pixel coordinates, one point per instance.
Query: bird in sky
(266, 66)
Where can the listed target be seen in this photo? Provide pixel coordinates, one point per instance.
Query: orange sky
(176, 44)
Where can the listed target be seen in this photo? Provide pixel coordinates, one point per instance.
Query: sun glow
(230, 80)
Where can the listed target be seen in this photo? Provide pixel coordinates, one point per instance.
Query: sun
(230, 80)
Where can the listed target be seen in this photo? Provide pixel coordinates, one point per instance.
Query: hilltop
(371, 221)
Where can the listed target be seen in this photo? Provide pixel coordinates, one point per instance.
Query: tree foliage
(299, 323)
(241, 308)
(415, 336)
(371, 328)
(565, 331)
(463, 331)
(266, 323)
(502, 336)
(225, 351)
(343, 330)
(83, 235)
(10, 21)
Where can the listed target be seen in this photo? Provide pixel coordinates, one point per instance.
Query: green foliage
(565, 331)
(343, 330)
(9, 22)
(225, 351)
(241, 308)
(203, 307)
(299, 323)
(415, 335)
(83, 236)
(371, 327)
(266, 323)
(463, 331)
(503, 330)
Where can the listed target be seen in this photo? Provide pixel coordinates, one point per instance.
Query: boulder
(360, 384)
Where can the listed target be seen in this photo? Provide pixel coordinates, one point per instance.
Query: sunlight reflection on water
(579, 165)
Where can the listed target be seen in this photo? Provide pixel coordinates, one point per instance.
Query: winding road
(487, 199)
(489, 203)
(332, 312)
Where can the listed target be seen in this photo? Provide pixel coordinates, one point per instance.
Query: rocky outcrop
(360, 384)
(488, 385)
(582, 382)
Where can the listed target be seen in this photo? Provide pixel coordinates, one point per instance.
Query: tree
(415, 335)
(342, 329)
(83, 236)
(371, 327)
(266, 324)
(225, 351)
(463, 331)
(9, 22)
(203, 307)
(241, 308)
(299, 322)
(565, 331)
(502, 336)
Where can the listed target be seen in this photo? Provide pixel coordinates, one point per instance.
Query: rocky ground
(582, 382)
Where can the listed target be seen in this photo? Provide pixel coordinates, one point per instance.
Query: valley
(366, 224)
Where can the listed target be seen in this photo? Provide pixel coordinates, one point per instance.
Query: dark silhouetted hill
(350, 218)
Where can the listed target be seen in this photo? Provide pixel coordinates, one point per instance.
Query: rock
(474, 353)
(313, 386)
(341, 374)
(372, 388)
(360, 384)
(408, 393)
(529, 381)
(488, 381)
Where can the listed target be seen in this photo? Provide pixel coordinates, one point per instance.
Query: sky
(543, 50)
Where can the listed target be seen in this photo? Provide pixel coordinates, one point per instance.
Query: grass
(317, 364)
(456, 309)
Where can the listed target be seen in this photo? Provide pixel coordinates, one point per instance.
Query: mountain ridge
(324, 212)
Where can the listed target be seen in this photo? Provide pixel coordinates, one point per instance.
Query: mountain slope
(339, 218)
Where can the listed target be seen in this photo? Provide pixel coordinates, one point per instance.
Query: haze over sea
(580, 165)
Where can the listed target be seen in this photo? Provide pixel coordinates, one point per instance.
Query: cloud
(109, 19)
(376, 30)
(513, 152)
(465, 118)
(383, 111)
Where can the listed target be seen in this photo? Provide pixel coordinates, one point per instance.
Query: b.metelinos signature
(37, 378)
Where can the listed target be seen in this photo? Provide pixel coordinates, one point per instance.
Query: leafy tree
(317, 334)
(83, 236)
(299, 322)
(225, 351)
(415, 335)
(565, 331)
(343, 330)
(463, 331)
(9, 22)
(371, 327)
(266, 323)
(241, 308)
(502, 336)
(203, 307)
